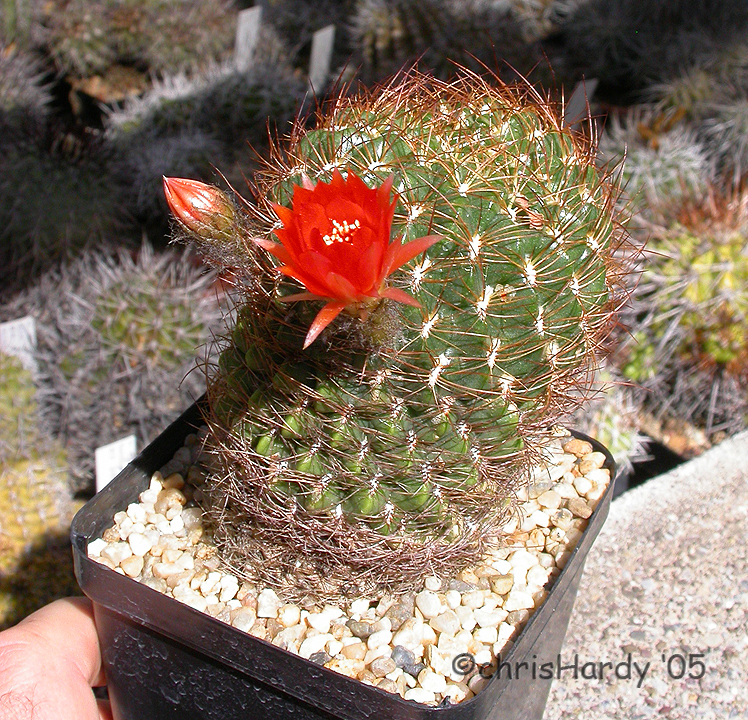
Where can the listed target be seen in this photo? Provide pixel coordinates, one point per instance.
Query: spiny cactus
(366, 441)
(665, 161)
(440, 35)
(116, 337)
(186, 125)
(85, 38)
(24, 96)
(630, 44)
(725, 135)
(34, 497)
(52, 207)
(689, 344)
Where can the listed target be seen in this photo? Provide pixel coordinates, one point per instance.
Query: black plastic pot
(164, 659)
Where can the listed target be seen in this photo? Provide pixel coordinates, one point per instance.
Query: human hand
(48, 664)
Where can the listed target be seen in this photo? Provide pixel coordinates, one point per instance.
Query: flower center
(341, 233)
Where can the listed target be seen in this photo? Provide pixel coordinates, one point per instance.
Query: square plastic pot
(164, 659)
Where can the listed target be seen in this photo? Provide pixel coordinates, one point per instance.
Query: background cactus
(440, 35)
(25, 96)
(186, 125)
(665, 161)
(630, 44)
(393, 445)
(116, 337)
(35, 503)
(55, 201)
(86, 38)
(688, 350)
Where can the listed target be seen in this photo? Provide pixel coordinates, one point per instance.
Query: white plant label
(18, 338)
(576, 108)
(247, 32)
(112, 458)
(319, 63)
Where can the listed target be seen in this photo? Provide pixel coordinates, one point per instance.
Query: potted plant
(424, 282)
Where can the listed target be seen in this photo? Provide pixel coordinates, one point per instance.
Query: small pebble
(428, 603)
(360, 629)
(579, 507)
(268, 604)
(577, 447)
(382, 666)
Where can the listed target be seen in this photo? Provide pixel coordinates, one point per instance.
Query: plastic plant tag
(18, 338)
(247, 32)
(112, 458)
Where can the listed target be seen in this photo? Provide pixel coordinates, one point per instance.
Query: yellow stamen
(342, 232)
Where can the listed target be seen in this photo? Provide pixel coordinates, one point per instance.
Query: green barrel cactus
(375, 427)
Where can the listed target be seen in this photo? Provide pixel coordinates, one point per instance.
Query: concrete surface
(666, 584)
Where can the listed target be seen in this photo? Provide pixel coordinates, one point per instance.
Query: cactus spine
(392, 445)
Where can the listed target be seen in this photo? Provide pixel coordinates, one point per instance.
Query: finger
(48, 663)
(105, 710)
(66, 629)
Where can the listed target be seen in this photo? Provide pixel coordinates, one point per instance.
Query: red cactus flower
(199, 207)
(336, 242)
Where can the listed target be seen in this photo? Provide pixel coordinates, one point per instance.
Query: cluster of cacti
(688, 350)
(187, 125)
(116, 337)
(35, 503)
(85, 38)
(383, 435)
(630, 44)
(440, 35)
(296, 21)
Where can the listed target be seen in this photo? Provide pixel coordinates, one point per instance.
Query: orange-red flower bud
(336, 242)
(201, 208)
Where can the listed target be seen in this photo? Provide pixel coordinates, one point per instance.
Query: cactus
(52, 206)
(184, 126)
(85, 38)
(116, 337)
(35, 504)
(665, 162)
(384, 433)
(725, 137)
(296, 21)
(24, 96)
(688, 349)
(630, 44)
(440, 35)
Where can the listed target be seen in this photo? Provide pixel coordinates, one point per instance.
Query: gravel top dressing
(435, 644)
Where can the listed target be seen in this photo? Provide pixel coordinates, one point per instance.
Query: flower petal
(299, 296)
(323, 319)
(399, 295)
(341, 288)
(275, 249)
(398, 254)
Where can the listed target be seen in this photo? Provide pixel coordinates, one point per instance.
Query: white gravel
(404, 645)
